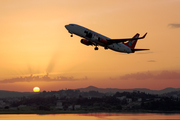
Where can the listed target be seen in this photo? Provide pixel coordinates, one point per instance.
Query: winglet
(144, 36)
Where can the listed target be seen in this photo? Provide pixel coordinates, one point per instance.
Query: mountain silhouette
(114, 90)
(6, 94)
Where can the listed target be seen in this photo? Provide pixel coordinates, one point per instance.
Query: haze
(34, 42)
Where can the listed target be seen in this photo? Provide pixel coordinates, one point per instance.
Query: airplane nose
(66, 26)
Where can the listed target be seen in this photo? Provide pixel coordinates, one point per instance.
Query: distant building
(157, 99)
(2, 104)
(139, 99)
(74, 107)
(70, 107)
(59, 105)
(22, 107)
(121, 98)
(77, 107)
(129, 100)
(57, 95)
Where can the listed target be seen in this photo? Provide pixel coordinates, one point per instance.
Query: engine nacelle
(86, 42)
(102, 40)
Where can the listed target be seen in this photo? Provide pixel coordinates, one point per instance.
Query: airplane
(126, 45)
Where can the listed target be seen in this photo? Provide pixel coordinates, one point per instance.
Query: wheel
(96, 48)
(71, 35)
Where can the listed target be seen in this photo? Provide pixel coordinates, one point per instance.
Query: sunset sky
(34, 41)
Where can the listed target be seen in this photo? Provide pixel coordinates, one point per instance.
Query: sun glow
(36, 89)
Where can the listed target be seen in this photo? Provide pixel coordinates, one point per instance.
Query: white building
(121, 98)
(70, 107)
(59, 105)
(57, 95)
(2, 104)
(129, 100)
(77, 107)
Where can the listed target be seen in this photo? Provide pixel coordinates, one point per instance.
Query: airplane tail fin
(132, 43)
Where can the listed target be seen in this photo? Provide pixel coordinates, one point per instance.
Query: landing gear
(71, 35)
(96, 48)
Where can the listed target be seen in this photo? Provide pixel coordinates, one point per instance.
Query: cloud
(45, 78)
(137, 76)
(164, 75)
(173, 25)
(151, 61)
(168, 75)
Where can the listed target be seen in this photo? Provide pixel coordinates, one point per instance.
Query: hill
(114, 90)
(5, 94)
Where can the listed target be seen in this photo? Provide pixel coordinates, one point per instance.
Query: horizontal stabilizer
(133, 50)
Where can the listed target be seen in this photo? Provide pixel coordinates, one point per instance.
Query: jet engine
(86, 42)
(102, 40)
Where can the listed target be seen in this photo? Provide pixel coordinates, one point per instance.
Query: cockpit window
(71, 24)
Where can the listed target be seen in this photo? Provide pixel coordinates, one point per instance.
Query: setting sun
(36, 89)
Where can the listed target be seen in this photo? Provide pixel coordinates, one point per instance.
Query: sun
(36, 89)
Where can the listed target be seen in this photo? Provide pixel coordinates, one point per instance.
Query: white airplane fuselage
(93, 37)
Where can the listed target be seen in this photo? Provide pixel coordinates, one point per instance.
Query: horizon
(34, 42)
(42, 81)
(90, 90)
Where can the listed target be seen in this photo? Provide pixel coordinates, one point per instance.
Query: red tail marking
(132, 43)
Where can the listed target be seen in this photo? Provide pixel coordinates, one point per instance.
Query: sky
(37, 50)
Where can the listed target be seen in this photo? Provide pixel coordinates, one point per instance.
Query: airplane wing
(111, 41)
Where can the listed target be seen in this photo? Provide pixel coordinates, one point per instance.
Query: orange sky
(33, 40)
